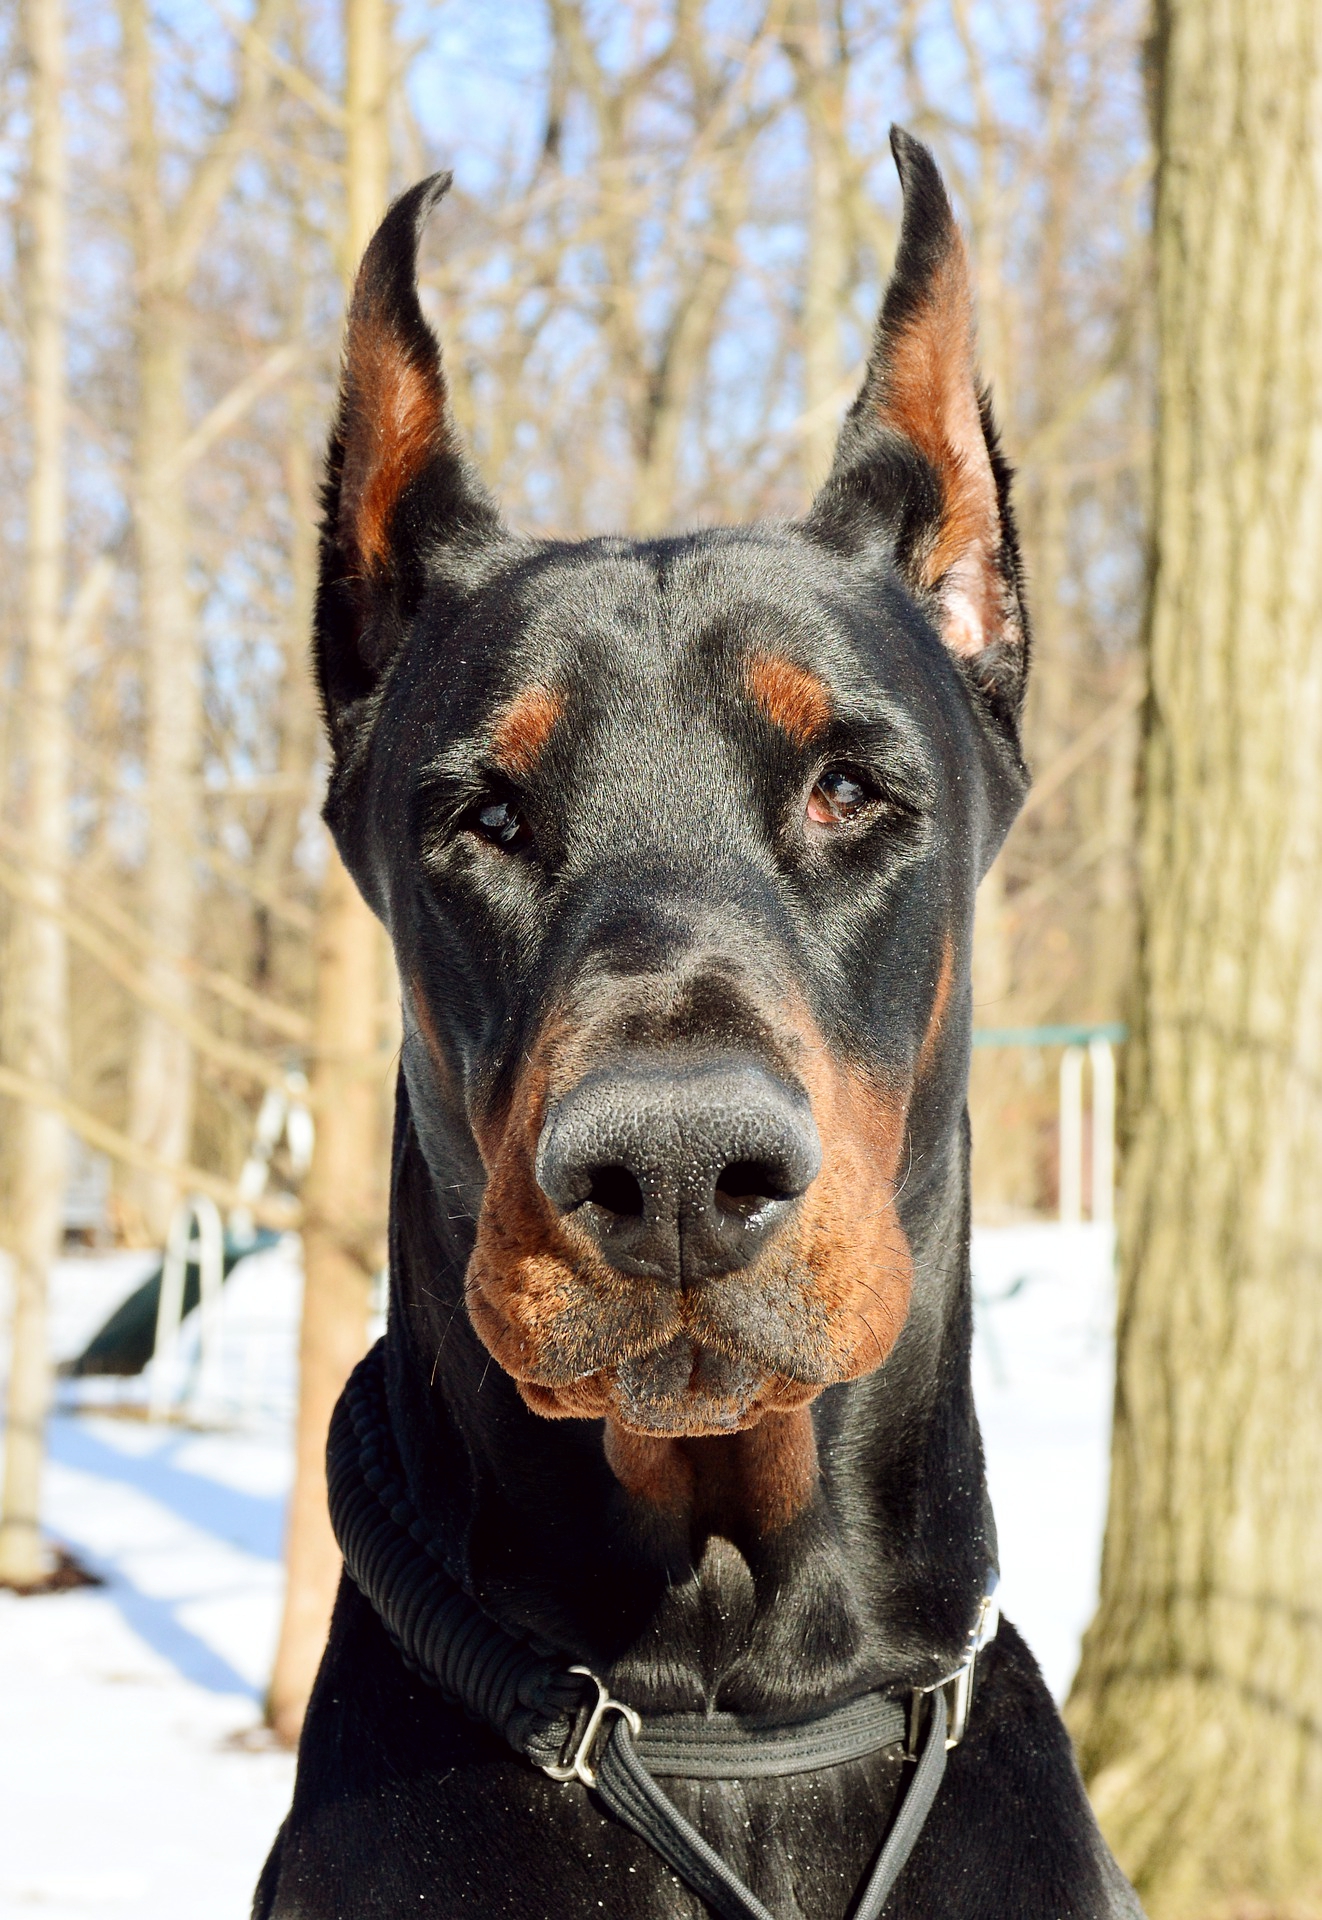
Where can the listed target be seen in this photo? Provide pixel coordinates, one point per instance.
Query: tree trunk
(1198, 1706)
(813, 42)
(300, 722)
(161, 1072)
(39, 977)
(343, 1197)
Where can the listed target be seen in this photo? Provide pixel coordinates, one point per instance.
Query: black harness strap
(720, 1746)
(544, 1711)
(631, 1793)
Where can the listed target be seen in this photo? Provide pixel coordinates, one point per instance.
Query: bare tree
(344, 1202)
(658, 264)
(1198, 1704)
(38, 974)
(817, 42)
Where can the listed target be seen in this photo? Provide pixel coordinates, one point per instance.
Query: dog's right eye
(499, 822)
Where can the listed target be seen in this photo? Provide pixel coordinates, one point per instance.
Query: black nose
(681, 1172)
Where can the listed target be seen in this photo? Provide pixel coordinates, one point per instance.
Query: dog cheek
(515, 1304)
(862, 1273)
(546, 1308)
(520, 1286)
(855, 1247)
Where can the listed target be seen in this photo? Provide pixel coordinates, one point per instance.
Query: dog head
(677, 841)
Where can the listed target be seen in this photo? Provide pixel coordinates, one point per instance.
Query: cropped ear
(399, 489)
(918, 465)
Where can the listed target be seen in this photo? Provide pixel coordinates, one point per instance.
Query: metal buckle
(960, 1682)
(579, 1766)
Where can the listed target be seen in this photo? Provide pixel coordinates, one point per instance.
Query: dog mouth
(680, 1384)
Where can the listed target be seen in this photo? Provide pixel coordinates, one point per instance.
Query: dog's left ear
(401, 504)
(918, 466)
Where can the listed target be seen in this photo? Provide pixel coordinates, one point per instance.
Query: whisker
(444, 1337)
(907, 1171)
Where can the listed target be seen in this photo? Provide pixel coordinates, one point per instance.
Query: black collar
(564, 1720)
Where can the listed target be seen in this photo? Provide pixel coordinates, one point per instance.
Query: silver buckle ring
(579, 1767)
(959, 1699)
(960, 1682)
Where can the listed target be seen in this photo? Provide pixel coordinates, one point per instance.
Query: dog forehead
(620, 617)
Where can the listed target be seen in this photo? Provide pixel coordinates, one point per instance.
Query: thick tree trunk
(343, 1201)
(1198, 1705)
(40, 974)
(342, 1207)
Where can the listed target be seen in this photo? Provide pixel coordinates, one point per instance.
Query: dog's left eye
(501, 823)
(841, 794)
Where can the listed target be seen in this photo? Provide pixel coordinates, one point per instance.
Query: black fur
(665, 822)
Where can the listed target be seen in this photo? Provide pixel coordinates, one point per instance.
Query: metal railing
(197, 1236)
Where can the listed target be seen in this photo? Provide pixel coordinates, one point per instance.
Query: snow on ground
(123, 1792)
(126, 1789)
(1044, 1310)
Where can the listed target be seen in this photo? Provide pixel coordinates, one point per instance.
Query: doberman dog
(677, 842)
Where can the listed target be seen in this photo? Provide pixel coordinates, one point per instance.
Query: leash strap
(543, 1711)
(633, 1796)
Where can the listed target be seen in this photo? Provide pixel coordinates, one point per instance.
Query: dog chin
(681, 1390)
(685, 1388)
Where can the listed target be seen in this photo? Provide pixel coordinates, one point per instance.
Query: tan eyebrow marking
(789, 695)
(524, 728)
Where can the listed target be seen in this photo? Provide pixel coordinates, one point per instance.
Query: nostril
(615, 1190)
(746, 1185)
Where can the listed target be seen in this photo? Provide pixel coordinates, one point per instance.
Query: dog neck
(769, 1572)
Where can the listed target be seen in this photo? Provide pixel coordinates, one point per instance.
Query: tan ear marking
(789, 695)
(395, 421)
(929, 394)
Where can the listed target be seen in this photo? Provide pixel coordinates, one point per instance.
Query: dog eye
(501, 823)
(841, 793)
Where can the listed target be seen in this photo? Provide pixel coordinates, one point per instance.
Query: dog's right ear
(399, 489)
(918, 469)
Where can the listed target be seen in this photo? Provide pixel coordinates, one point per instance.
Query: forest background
(654, 282)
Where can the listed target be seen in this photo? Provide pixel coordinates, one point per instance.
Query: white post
(1102, 1057)
(195, 1233)
(1071, 1136)
(300, 1129)
(170, 1310)
(210, 1245)
(256, 1168)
